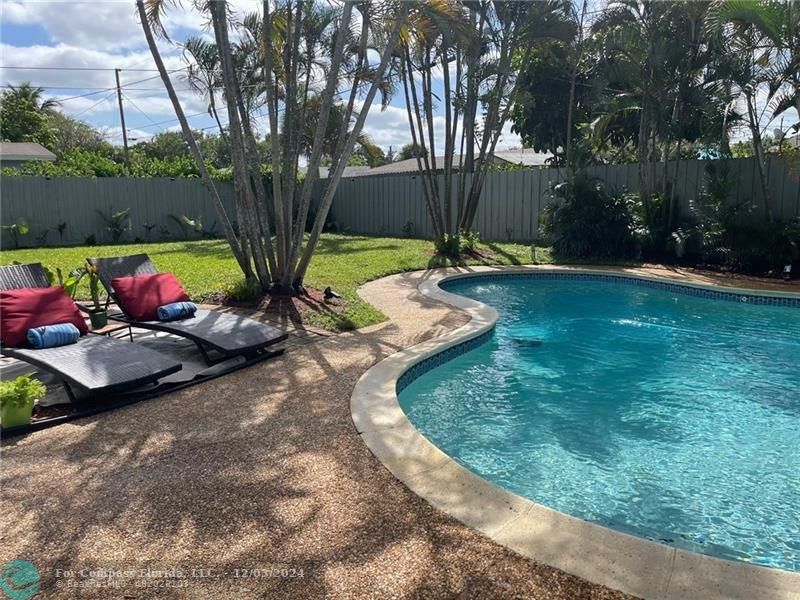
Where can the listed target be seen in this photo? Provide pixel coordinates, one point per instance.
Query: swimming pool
(639, 407)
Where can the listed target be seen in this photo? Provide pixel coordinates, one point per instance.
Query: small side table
(112, 327)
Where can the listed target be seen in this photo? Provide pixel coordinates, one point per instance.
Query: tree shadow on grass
(513, 260)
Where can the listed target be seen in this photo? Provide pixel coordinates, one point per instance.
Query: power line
(81, 69)
(113, 91)
(99, 89)
(136, 106)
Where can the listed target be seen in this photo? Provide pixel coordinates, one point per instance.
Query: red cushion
(27, 308)
(140, 296)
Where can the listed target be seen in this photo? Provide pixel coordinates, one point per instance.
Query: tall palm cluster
(475, 48)
(315, 69)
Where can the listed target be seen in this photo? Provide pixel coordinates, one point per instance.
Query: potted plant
(17, 398)
(97, 314)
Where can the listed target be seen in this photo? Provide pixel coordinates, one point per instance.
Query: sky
(75, 47)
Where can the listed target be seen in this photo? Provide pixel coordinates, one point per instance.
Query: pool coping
(593, 552)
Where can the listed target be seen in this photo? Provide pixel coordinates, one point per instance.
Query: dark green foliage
(585, 221)
(457, 244)
(410, 151)
(448, 245)
(23, 120)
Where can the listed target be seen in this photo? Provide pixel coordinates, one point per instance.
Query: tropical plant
(15, 230)
(117, 223)
(203, 72)
(73, 280)
(21, 121)
(270, 246)
(745, 35)
(585, 221)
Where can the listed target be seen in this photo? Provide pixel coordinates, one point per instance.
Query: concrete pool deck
(259, 470)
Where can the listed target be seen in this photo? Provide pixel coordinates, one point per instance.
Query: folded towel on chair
(176, 310)
(51, 336)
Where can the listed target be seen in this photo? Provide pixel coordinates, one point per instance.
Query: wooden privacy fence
(510, 206)
(512, 201)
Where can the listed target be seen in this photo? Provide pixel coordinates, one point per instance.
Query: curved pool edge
(590, 551)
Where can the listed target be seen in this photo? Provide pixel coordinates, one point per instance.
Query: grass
(343, 262)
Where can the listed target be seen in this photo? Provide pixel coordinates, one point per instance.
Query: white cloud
(390, 128)
(108, 24)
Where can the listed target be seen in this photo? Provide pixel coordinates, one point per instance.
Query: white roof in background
(524, 156)
(402, 166)
(25, 151)
(348, 171)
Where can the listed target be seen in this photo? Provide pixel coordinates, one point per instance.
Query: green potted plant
(97, 314)
(17, 398)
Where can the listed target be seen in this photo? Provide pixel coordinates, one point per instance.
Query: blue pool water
(663, 415)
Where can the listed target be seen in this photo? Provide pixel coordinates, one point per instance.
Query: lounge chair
(95, 364)
(229, 335)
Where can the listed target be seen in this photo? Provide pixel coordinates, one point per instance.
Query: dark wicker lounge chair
(228, 335)
(96, 364)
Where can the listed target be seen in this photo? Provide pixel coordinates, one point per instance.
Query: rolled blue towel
(176, 310)
(52, 336)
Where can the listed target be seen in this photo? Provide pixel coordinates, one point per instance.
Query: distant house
(14, 154)
(520, 156)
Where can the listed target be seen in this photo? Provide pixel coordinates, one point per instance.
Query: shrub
(456, 244)
(448, 245)
(469, 241)
(585, 221)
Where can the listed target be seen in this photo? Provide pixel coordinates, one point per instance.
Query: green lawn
(343, 262)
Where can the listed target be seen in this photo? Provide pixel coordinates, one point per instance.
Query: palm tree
(484, 42)
(747, 37)
(33, 95)
(785, 86)
(331, 137)
(202, 74)
(292, 37)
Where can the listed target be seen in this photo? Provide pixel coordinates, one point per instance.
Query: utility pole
(122, 121)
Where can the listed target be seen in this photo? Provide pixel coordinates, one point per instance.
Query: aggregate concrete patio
(259, 470)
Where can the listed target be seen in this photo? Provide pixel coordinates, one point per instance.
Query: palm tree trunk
(336, 174)
(761, 159)
(281, 242)
(208, 183)
(449, 139)
(572, 85)
(249, 222)
(423, 164)
(433, 210)
(312, 171)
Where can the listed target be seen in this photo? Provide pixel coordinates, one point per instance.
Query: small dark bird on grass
(329, 294)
